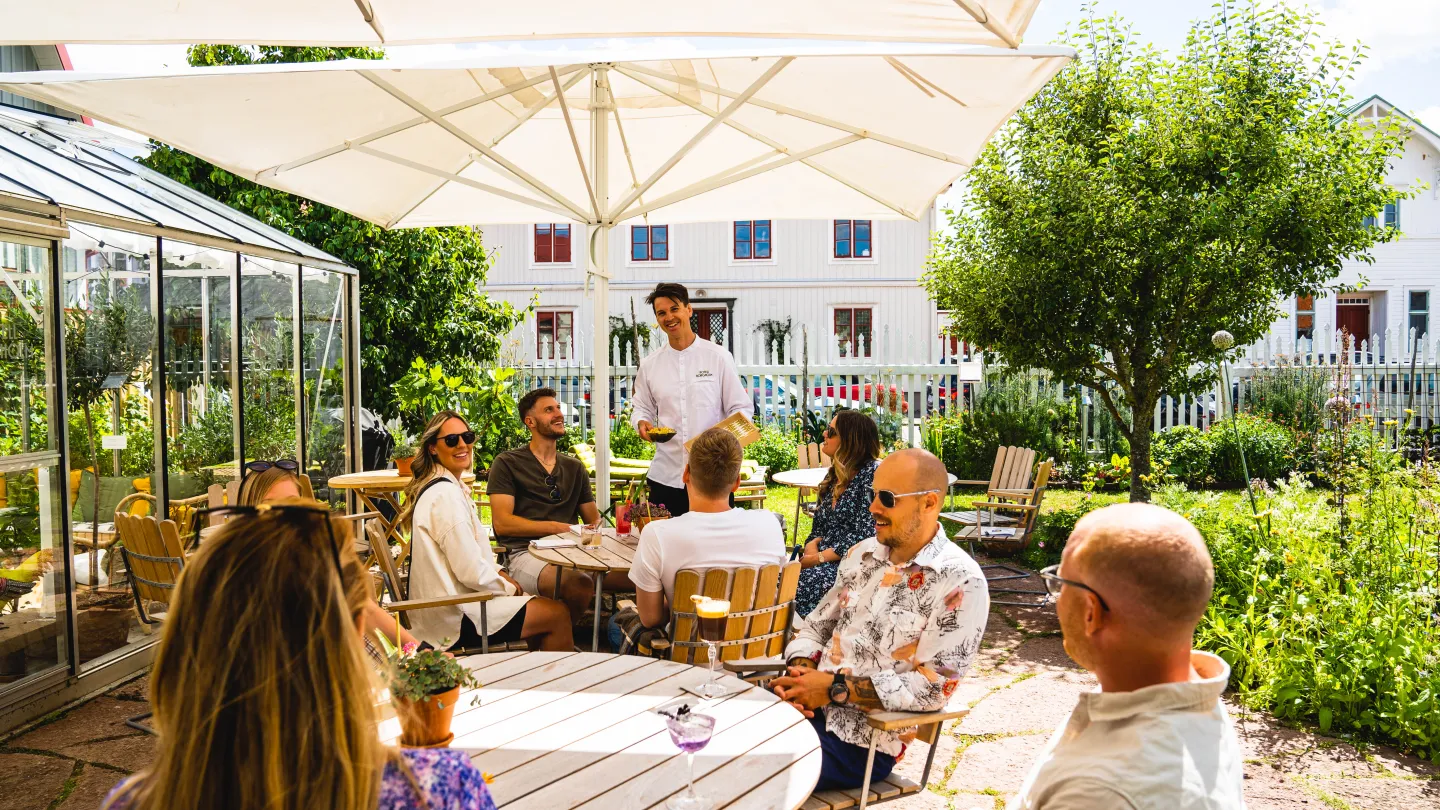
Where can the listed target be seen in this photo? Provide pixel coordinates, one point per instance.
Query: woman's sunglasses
(887, 498)
(831, 433)
(454, 439)
(270, 511)
(287, 464)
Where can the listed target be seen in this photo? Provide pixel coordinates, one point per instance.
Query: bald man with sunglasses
(896, 632)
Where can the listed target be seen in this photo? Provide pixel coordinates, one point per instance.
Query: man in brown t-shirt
(536, 491)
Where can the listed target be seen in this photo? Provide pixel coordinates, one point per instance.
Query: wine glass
(712, 614)
(690, 732)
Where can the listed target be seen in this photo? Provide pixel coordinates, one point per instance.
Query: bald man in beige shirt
(1132, 586)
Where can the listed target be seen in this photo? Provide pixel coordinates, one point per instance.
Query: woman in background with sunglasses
(261, 690)
(269, 481)
(842, 509)
(450, 555)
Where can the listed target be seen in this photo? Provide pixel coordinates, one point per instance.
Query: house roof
(1385, 107)
(84, 169)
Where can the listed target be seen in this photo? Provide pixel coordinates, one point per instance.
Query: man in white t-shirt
(711, 535)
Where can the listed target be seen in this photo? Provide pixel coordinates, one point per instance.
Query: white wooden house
(853, 283)
(1401, 290)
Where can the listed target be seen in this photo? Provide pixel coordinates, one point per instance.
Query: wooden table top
(379, 480)
(611, 555)
(568, 730)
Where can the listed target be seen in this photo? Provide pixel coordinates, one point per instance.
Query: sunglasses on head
(274, 511)
(887, 498)
(286, 464)
(454, 439)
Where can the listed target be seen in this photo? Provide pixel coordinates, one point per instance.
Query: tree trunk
(95, 523)
(1140, 433)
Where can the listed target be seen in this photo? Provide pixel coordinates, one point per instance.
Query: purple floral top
(449, 779)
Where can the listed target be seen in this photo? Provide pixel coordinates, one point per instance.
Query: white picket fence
(915, 376)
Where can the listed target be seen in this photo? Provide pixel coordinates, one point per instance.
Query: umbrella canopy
(402, 22)
(872, 131)
(800, 130)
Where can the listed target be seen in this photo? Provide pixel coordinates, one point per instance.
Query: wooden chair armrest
(894, 721)
(994, 505)
(361, 516)
(768, 664)
(965, 483)
(191, 501)
(1015, 494)
(437, 601)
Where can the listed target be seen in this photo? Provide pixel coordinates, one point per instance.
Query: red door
(1352, 316)
(710, 325)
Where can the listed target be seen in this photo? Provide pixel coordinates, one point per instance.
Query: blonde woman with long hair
(450, 554)
(842, 509)
(262, 694)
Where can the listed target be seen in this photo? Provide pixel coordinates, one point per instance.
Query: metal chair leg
(134, 722)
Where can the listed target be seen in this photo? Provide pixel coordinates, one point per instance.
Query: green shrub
(1271, 450)
(625, 441)
(1183, 453)
(775, 449)
(1010, 410)
(1293, 396)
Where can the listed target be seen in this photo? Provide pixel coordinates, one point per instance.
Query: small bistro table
(578, 730)
(613, 554)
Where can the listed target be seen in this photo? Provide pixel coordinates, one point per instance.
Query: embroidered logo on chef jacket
(704, 372)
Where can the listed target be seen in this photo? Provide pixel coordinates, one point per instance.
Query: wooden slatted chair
(807, 457)
(761, 600)
(1024, 511)
(399, 587)
(154, 558)
(1009, 480)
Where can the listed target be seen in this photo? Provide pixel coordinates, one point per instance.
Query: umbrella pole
(600, 259)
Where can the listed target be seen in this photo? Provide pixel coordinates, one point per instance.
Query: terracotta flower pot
(426, 723)
(402, 465)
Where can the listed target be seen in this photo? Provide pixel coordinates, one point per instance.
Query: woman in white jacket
(450, 554)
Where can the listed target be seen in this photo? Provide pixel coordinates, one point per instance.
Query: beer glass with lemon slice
(712, 614)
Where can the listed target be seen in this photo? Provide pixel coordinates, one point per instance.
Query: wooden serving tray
(738, 424)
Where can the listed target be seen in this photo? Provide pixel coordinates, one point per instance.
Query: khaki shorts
(525, 569)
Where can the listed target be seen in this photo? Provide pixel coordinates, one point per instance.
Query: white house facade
(1400, 291)
(852, 283)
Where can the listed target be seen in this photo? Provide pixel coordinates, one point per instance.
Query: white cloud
(1430, 117)
(1396, 31)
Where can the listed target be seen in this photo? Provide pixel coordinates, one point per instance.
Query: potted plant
(424, 688)
(404, 451)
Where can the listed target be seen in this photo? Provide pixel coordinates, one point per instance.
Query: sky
(1402, 37)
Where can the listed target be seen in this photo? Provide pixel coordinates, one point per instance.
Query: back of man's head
(1148, 563)
(714, 463)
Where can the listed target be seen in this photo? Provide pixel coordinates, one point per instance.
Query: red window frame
(554, 334)
(552, 242)
(746, 239)
(846, 241)
(656, 241)
(848, 319)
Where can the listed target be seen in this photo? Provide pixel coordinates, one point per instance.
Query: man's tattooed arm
(862, 694)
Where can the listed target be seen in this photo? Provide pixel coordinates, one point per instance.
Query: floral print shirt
(446, 775)
(913, 630)
(839, 526)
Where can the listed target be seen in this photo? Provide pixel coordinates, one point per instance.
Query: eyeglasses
(271, 511)
(830, 432)
(287, 464)
(887, 498)
(1054, 582)
(554, 484)
(453, 439)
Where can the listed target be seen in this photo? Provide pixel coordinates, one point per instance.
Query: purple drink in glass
(690, 732)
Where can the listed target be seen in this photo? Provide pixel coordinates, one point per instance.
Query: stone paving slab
(31, 781)
(91, 788)
(999, 765)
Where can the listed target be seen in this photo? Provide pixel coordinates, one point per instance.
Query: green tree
(420, 288)
(1141, 202)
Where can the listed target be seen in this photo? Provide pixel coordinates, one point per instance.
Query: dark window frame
(547, 237)
(845, 239)
(750, 240)
(650, 242)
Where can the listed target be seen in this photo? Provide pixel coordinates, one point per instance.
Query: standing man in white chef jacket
(689, 385)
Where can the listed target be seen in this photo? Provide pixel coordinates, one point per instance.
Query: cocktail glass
(690, 732)
(712, 614)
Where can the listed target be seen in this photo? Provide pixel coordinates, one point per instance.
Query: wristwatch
(839, 690)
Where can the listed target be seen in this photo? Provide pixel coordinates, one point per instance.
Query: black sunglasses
(1054, 582)
(887, 498)
(270, 511)
(830, 432)
(287, 464)
(455, 438)
(553, 483)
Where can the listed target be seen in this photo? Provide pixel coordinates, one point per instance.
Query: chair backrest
(809, 456)
(1037, 495)
(217, 496)
(1013, 466)
(307, 489)
(760, 605)
(153, 555)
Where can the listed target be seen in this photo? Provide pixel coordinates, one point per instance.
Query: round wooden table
(615, 553)
(579, 730)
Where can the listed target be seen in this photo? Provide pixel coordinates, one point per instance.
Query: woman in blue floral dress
(842, 510)
(262, 692)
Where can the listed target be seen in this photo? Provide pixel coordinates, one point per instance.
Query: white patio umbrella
(798, 130)
(408, 22)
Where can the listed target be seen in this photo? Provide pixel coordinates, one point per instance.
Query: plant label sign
(114, 442)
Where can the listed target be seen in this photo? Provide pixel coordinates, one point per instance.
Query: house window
(552, 243)
(650, 243)
(1420, 313)
(752, 239)
(853, 331)
(852, 238)
(553, 331)
(1390, 217)
(1305, 317)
